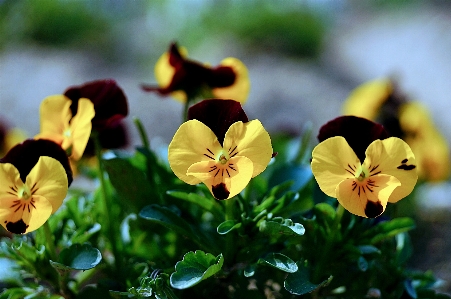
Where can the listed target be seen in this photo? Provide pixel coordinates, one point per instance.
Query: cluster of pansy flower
(35, 174)
(188, 80)
(219, 147)
(382, 101)
(359, 164)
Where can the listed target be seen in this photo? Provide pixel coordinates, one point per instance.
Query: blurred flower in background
(382, 101)
(187, 80)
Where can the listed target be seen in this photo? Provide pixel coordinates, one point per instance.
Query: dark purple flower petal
(110, 103)
(359, 132)
(218, 115)
(25, 155)
(110, 138)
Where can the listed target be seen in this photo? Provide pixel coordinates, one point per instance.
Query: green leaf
(299, 175)
(207, 204)
(195, 267)
(279, 225)
(78, 257)
(280, 261)
(169, 219)
(249, 271)
(389, 229)
(129, 182)
(227, 226)
(298, 283)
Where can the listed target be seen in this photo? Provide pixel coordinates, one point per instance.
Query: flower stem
(109, 230)
(50, 244)
(142, 132)
(229, 238)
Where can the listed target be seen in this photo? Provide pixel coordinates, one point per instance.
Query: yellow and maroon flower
(219, 147)
(381, 100)
(357, 163)
(34, 179)
(110, 103)
(183, 78)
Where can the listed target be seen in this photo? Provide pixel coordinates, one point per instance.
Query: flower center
(222, 159)
(24, 193)
(67, 133)
(361, 173)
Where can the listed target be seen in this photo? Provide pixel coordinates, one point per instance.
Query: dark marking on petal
(350, 172)
(274, 154)
(18, 227)
(232, 167)
(18, 208)
(217, 172)
(209, 156)
(406, 167)
(228, 172)
(210, 151)
(230, 152)
(220, 191)
(404, 161)
(374, 168)
(375, 173)
(373, 209)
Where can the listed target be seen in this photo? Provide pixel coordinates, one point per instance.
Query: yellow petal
(250, 140)
(164, 72)
(430, 148)
(9, 181)
(23, 216)
(224, 180)
(193, 142)
(239, 90)
(81, 127)
(48, 179)
(367, 198)
(366, 99)
(333, 161)
(393, 156)
(55, 114)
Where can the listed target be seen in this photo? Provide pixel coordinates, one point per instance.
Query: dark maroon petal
(218, 115)
(359, 132)
(110, 138)
(110, 103)
(221, 76)
(25, 155)
(3, 132)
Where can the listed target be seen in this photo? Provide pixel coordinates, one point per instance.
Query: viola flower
(110, 103)
(59, 125)
(381, 100)
(219, 147)
(356, 163)
(34, 179)
(186, 79)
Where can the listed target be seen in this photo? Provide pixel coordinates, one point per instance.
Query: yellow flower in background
(367, 99)
(59, 125)
(183, 78)
(25, 206)
(225, 164)
(379, 100)
(430, 147)
(386, 174)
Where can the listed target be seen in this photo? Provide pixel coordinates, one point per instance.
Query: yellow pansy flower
(34, 179)
(387, 173)
(380, 100)
(225, 163)
(183, 78)
(59, 125)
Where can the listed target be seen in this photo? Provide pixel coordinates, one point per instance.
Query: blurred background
(304, 58)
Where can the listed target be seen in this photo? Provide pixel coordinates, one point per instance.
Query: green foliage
(195, 267)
